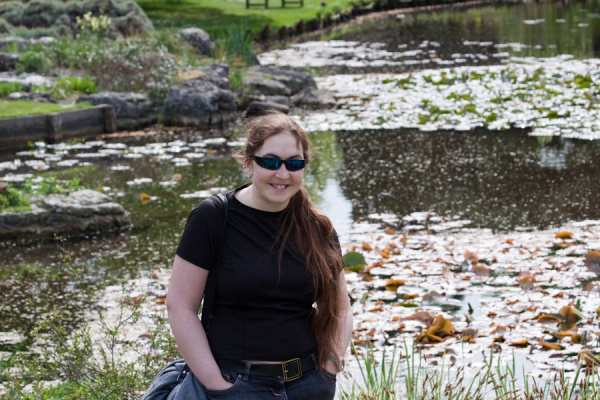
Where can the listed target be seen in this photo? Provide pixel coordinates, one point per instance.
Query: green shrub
(34, 60)
(13, 201)
(7, 88)
(235, 47)
(5, 27)
(66, 87)
(56, 17)
(51, 185)
(11, 12)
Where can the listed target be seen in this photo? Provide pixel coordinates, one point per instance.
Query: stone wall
(16, 132)
(85, 212)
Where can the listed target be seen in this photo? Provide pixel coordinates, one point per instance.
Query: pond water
(476, 175)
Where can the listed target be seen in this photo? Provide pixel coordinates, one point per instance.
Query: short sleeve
(200, 239)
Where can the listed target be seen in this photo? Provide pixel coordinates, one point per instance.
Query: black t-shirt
(260, 311)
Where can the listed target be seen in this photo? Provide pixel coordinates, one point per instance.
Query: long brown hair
(309, 231)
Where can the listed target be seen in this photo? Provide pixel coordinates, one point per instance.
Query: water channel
(490, 180)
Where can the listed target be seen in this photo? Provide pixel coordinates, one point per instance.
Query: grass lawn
(217, 16)
(19, 108)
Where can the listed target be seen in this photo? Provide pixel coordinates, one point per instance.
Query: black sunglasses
(274, 163)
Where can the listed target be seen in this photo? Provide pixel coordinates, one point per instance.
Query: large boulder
(81, 213)
(205, 99)
(313, 98)
(199, 39)
(132, 109)
(292, 80)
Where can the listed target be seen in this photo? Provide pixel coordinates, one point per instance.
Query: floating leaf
(422, 316)
(144, 198)
(570, 314)
(441, 327)
(564, 235)
(390, 231)
(354, 261)
(526, 283)
(592, 261)
(575, 338)
(469, 335)
(589, 358)
(367, 247)
(392, 284)
(471, 257)
(407, 296)
(481, 270)
(408, 305)
(593, 257)
(520, 343)
(551, 346)
(549, 319)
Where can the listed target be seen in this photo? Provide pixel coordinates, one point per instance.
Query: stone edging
(18, 131)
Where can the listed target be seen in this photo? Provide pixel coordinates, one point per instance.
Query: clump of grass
(379, 382)
(13, 201)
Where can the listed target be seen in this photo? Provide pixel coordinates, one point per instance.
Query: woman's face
(272, 190)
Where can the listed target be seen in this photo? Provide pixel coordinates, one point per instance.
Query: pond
(417, 144)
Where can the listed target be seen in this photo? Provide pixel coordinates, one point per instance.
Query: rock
(13, 43)
(311, 97)
(266, 86)
(85, 212)
(199, 39)
(8, 61)
(132, 110)
(294, 81)
(206, 100)
(258, 107)
(40, 97)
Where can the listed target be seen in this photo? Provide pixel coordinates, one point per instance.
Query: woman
(281, 319)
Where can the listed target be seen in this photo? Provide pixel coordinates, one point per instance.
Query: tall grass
(497, 380)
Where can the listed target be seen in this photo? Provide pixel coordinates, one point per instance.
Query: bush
(66, 87)
(121, 65)
(55, 17)
(13, 201)
(7, 88)
(34, 60)
(11, 12)
(5, 27)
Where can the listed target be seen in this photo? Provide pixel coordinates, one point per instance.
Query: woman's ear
(248, 166)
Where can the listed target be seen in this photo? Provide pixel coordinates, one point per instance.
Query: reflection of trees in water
(498, 180)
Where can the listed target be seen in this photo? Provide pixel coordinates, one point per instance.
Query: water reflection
(498, 181)
(486, 35)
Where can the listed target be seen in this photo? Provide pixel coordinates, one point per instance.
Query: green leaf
(354, 261)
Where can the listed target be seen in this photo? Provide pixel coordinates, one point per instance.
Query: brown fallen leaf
(389, 231)
(527, 282)
(520, 343)
(367, 247)
(551, 346)
(469, 335)
(481, 270)
(392, 284)
(564, 235)
(589, 358)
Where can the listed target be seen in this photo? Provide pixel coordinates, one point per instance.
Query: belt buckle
(291, 375)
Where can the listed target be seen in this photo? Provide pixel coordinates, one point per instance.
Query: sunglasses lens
(268, 163)
(274, 163)
(294, 165)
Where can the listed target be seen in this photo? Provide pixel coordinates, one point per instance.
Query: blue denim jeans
(311, 386)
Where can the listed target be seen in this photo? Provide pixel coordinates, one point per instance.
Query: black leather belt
(289, 370)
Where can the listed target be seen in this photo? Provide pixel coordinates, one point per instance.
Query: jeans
(311, 386)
